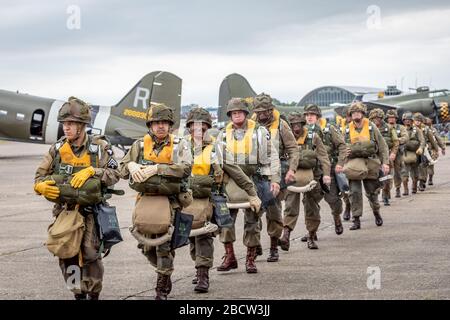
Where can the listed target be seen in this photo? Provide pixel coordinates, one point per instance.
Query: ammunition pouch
(90, 193)
(363, 149)
(307, 159)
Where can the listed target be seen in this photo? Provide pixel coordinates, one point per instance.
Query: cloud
(285, 48)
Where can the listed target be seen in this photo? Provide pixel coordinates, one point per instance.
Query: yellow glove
(255, 203)
(419, 151)
(47, 189)
(80, 177)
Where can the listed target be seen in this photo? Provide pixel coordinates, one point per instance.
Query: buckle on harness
(66, 169)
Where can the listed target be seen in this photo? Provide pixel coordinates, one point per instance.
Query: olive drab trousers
(372, 189)
(311, 206)
(89, 266)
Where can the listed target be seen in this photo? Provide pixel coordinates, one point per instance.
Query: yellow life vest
(343, 125)
(302, 138)
(363, 136)
(202, 162)
(323, 123)
(243, 146)
(68, 157)
(164, 156)
(275, 126)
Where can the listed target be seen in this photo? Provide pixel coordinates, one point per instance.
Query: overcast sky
(285, 48)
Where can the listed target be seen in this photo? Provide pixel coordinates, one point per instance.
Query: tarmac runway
(407, 258)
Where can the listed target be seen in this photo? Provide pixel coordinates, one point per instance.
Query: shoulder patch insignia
(112, 164)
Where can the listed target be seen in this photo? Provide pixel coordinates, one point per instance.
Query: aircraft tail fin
(155, 87)
(234, 85)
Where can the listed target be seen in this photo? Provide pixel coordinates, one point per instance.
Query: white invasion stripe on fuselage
(52, 125)
(101, 119)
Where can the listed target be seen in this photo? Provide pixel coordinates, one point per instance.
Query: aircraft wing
(383, 106)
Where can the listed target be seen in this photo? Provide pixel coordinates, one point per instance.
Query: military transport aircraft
(433, 104)
(235, 85)
(27, 118)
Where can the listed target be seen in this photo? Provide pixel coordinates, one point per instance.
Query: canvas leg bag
(66, 233)
(304, 181)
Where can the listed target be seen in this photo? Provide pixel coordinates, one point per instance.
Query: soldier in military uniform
(365, 142)
(402, 135)
(283, 139)
(208, 176)
(414, 147)
(440, 143)
(161, 156)
(390, 136)
(430, 144)
(80, 156)
(308, 140)
(334, 143)
(346, 118)
(247, 144)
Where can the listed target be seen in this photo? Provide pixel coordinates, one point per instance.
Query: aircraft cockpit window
(37, 123)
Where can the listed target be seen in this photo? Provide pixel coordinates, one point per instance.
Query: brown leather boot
(338, 228)
(80, 296)
(229, 259)
(414, 186)
(305, 238)
(259, 250)
(346, 215)
(93, 296)
(284, 241)
(250, 265)
(203, 280)
(397, 192)
(162, 287)
(273, 254)
(422, 185)
(356, 224)
(195, 279)
(311, 243)
(405, 187)
(430, 180)
(378, 219)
